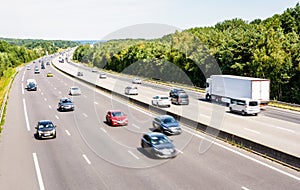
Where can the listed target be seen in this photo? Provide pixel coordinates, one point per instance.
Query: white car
(74, 90)
(161, 101)
(102, 76)
(131, 90)
(137, 81)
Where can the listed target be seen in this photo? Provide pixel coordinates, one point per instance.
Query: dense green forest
(267, 48)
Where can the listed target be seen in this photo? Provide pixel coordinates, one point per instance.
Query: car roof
(155, 134)
(65, 98)
(164, 116)
(45, 121)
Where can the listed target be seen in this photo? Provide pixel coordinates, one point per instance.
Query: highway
(261, 129)
(89, 154)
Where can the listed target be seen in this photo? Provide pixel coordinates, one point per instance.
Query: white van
(244, 106)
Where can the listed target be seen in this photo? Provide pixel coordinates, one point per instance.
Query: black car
(166, 124)
(31, 86)
(158, 145)
(179, 96)
(65, 104)
(45, 129)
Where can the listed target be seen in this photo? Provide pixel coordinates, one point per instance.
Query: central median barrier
(254, 147)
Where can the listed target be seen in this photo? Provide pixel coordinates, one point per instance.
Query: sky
(97, 19)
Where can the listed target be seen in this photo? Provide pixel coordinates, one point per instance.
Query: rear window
(253, 103)
(183, 95)
(164, 98)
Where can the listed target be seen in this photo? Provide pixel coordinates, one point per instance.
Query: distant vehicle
(47, 63)
(49, 74)
(43, 66)
(244, 106)
(223, 88)
(74, 90)
(167, 125)
(102, 76)
(36, 71)
(159, 145)
(79, 73)
(137, 81)
(31, 85)
(116, 117)
(28, 67)
(179, 96)
(65, 104)
(94, 70)
(45, 129)
(161, 101)
(131, 90)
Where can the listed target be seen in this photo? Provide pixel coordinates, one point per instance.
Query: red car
(116, 117)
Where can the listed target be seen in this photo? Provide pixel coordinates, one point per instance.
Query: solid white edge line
(38, 171)
(247, 157)
(86, 159)
(68, 133)
(22, 88)
(26, 115)
(132, 154)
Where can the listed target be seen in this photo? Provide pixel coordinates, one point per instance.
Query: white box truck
(223, 88)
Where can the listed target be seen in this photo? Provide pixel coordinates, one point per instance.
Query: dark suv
(166, 124)
(65, 104)
(179, 96)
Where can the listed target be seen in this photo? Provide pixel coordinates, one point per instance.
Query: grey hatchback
(166, 124)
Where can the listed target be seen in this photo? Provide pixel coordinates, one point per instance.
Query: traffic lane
(280, 114)
(16, 144)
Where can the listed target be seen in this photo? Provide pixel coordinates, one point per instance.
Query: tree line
(267, 48)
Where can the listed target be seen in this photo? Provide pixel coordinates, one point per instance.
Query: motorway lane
(63, 166)
(259, 129)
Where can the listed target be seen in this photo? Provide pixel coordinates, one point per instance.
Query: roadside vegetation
(267, 48)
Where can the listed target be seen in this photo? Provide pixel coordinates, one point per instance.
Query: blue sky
(94, 19)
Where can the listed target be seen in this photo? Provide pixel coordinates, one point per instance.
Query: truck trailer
(223, 88)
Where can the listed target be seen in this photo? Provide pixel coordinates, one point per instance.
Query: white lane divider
(179, 151)
(103, 130)
(23, 76)
(132, 154)
(253, 131)
(42, 93)
(84, 114)
(96, 103)
(22, 88)
(86, 159)
(56, 117)
(134, 125)
(50, 107)
(245, 188)
(54, 88)
(45, 99)
(68, 133)
(59, 92)
(284, 129)
(26, 115)
(38, 171)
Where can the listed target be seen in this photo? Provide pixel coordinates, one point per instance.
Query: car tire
(243, 112)
(142, 145)
(230, 109)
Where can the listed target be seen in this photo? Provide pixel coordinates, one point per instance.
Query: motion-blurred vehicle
(45, 129)
(102, 76)
(161, 101)
(116, 118)
(159, 145)
(79, 73)
(167, 125)
(31, 85)
(28, 67)
(49, 74)
(94, 70)
(65, 104)
(131, 90)
(179, 96)
(36, 70)
(74, 90)
(137, 81)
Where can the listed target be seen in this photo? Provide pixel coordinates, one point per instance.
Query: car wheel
(142, 145)
(255, 114)
(243, 112)
(169, 106)
(230, 109)
(54, 136)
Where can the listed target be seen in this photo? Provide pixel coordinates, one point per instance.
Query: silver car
(131, 90)
(74, 90)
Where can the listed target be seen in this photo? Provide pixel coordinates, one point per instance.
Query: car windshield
(45, 125)
(115, 114)
(253, 103)
(66, 101)
(156, 140)
(169, 120)
(183, 95)
(75, 89)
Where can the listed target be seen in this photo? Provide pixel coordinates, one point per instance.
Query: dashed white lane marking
(68, 133)
(253, 131)
(59, 92)
(86, 159)
(23, 76)
(132, 154)
(96, 103)
(179, 151)
(66, 84)
(40, 90)
(84, 96)
(134, 125)
(54, 88)
(84, 114)
(50, 106)
(284, 129)
(38, 171)
(42, 93)
(56, 117)
(103, 130)
(22, 88)
(26, 116)
(245, 188)
(45, 99)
